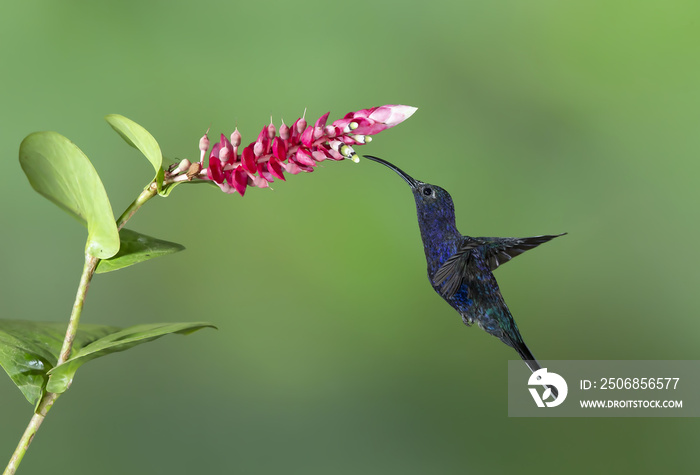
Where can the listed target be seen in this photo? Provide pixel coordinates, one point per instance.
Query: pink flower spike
(291, 149)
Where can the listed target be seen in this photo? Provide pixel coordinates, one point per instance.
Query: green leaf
(136, 247)
(140, 139)
(61, 376)
(30, 350)
(60, 171)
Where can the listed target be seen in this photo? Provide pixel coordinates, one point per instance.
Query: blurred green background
(333, 354)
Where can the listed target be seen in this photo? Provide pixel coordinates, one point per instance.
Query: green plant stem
(29, 433)
(147, 194)
(85, 278)
(48, 399)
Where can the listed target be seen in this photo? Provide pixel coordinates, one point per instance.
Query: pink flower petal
(279, 149)
(335, 155)
(248, 159)
(274, 167)
(284, 131)
(319, 155)
(225, 149)
(292, 167)
(215, 150)
(260, 182)
(262, 136)
(215, 171)
(307, 137)
(393, 114)
(380, 114)
(369, 127)
(240, 180)
(303, 158)
(226, 188)
(236, 138)
(321, 122)
(265, 173)
(342, 123)
(361, 113)
(299, 126)
(264, 141)
(331, 131)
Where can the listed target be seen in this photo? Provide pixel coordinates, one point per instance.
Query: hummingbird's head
(434, 204)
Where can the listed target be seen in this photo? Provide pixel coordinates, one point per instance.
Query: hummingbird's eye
(427, 191)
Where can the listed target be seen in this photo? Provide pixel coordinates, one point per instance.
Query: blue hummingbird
(460, 268)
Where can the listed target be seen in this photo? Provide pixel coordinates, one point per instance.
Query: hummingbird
(460, 268)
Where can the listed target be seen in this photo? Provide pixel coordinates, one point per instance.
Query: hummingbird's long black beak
(413, 183)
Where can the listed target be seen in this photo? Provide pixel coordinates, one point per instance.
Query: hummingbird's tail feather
(525, 354)
(530, 360)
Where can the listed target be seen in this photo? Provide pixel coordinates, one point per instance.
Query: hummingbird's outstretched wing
(495, 252)
(449, 277)
(498, 251)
